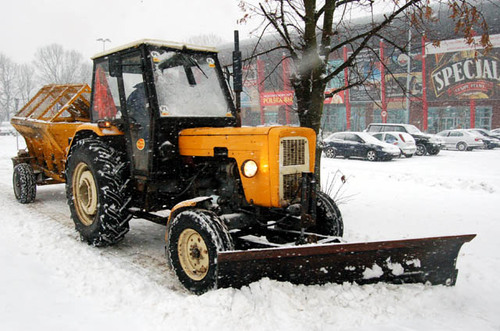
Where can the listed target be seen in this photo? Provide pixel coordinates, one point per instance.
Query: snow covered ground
(52, 281)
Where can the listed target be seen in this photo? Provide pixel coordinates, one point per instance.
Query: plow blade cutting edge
(423, 260)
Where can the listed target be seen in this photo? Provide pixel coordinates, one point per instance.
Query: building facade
(453, 85)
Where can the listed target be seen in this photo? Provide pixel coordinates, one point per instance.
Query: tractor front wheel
(194, 238)
(96, 192)
(328, 218)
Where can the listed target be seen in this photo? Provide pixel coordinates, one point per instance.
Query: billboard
(335, 83)
(397, 74)
(458, 71)
(367, 68)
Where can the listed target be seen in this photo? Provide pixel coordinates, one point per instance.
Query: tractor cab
(152, 90)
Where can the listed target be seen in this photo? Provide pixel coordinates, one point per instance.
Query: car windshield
(476, 134)
(413, 129)
(333, 136)
(368, 138)
(188, 84)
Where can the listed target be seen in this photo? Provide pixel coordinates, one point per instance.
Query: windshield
(413, 129)
(368, 138)
(188, 85)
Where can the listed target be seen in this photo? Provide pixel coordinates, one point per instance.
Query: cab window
(105, 97)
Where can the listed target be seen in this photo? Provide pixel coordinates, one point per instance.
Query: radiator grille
(291, 184)
(294, 152)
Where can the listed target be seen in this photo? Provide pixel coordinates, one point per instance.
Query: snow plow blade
(423, 260)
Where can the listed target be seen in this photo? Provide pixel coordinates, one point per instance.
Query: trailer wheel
(194, 239)
(328, 218)
(24, 183)
(96, 192)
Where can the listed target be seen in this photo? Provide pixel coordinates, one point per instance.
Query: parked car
(496, 132)
(358, 144)
(490, 140)
(7, 129)
(426, 143)
(403, 140)
(460, 139)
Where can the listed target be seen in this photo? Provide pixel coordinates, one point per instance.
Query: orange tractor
(159, 131)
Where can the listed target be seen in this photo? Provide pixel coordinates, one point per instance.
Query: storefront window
(447, 118)
(483, 118)
(334, 119)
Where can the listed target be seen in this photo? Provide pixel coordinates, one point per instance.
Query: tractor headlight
(249, 168)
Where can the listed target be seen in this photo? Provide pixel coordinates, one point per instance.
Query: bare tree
(26, 83)
(310, 31)
(58, 66)
(8, 71)
(210, 39)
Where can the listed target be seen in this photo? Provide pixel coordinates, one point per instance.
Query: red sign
(283, 98)
(470, 88)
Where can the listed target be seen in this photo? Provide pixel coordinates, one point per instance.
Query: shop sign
(466, 77)
(281, 98)
(458, 71)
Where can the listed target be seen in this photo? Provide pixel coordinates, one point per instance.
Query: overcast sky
(27, 25)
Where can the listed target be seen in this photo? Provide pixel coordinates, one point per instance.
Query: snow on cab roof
(155, 42)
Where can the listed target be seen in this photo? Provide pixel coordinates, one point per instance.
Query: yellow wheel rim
(193, 254)
(85, 194)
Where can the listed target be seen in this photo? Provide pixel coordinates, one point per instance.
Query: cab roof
(158, 43)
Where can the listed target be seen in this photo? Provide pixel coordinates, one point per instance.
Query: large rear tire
(96, 192)
(24, 183)
(194, 239)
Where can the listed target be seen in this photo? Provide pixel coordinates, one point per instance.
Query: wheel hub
(85, 194)
(193, 254)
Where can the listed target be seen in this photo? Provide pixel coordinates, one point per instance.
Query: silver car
(460, 139)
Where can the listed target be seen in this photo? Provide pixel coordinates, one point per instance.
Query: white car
(460, 139)
(403, 140)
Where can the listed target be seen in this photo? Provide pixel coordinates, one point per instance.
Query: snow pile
(52, 281)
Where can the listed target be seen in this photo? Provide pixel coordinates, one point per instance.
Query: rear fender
(89, 130)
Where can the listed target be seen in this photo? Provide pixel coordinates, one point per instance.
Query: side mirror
(115, 65)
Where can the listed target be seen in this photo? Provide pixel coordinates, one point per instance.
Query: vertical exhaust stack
(237, 76)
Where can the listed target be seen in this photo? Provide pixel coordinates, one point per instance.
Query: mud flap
(423, 260)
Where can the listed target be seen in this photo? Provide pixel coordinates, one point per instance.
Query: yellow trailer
(47, 122)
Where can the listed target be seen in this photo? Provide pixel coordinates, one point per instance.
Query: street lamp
(103, 43)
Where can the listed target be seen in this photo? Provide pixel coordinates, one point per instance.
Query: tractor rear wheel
(194, 238)
(24, 183)
(96, 192)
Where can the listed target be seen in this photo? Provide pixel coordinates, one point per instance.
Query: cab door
(136, 103)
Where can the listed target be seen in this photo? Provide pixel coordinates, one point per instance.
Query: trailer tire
(328, 217)
(96, 191)
(194, 238)
(24, 183)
